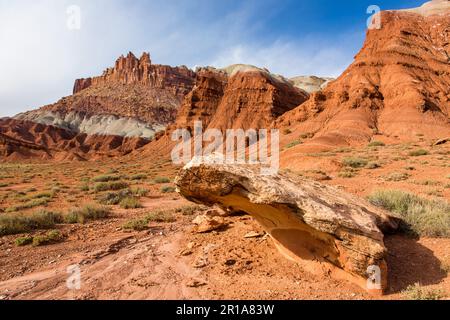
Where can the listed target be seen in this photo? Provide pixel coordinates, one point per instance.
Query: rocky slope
(398, 85)
(135, 98)
(29, 140)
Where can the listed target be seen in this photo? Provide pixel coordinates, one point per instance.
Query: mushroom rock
(323, 229)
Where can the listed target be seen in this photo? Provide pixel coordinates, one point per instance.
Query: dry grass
(421, 216)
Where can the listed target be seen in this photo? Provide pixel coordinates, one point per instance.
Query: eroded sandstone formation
(238, 97)
(323, 229)
(25, 139)
(398, 85)
(143, 98)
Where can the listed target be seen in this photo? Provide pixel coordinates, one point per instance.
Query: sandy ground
(116, 264)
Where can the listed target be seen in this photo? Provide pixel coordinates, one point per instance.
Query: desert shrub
(418, 153)
(51, 237)
(354, 162)
(110, 186)
(376, 144)
(373, 165)
(140, 176)
(24, 241)
(420, 216)
(28, 205)
(161, 180)
(307, 135)
(189, 210)
(417, 292)
(160, 216)
(12, 224)
(167, 189)
(114, 198)
(397, 176)
(130, 203)
(89, 212)
(84, 188)
(139, 192)
(136, 225)
(293, 144)
(106, 178)
(287, 131)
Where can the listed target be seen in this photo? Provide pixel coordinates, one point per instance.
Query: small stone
(230, 262)
(253, 234)
(195, 283)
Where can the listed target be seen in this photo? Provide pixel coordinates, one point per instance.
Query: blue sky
(41, 57)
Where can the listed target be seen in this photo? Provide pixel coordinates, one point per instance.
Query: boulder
(322, 228)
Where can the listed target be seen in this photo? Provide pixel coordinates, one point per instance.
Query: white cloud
(40, 57)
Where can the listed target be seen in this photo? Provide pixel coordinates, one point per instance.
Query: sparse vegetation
(373, 165)
(89, 212)
(376, 144)
(24, 241)
(347, 174)
(354, 162)
(130, 203)
(51, 237)
(161, 180)
(139, 192)
(420, 216)
(167, 189)
(397, 176)
(136, 225)
(418, 153)
(110, 186)
(189, 210)
(140, 176)
(28, 205)
(15, 224)
(160, 216)
(106, 178)
(114, 198)
(293, 144)
(417, 292)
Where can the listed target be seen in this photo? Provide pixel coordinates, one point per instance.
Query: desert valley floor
(167, 259)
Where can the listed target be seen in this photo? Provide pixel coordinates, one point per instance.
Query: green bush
(136, 225)
(420, 216)
(130, 203)
(51, 237)
(24, 241)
